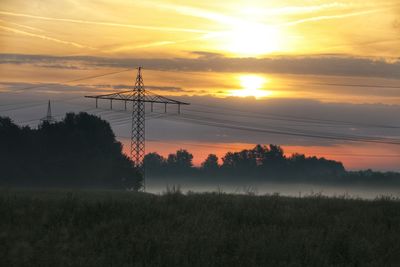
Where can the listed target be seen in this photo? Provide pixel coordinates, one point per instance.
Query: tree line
(268, 162)
(263, 162)
(81, 150)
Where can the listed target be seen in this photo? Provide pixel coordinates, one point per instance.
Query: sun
(252, 85)
(252, 39)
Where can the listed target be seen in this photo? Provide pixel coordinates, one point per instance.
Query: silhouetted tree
(154, 163)
(180, 162)
(313, 168)
(274, 160)
(182, 159)
(80, 150)
(210, 164)
(239, 163)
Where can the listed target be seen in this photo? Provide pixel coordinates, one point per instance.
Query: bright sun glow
(251, 87)
(253, 39)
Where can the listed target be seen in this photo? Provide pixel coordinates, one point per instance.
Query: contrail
(22, 26)
(198, 13)
(297, 10)
(329, 17)
(290, 10)
(133, 47)
(153, 44)
(44, 37)
(102, 23)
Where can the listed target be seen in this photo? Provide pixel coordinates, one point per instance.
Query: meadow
(117, 228)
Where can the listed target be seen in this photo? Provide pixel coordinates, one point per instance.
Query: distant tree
(154, 163)
(172, 161)
(243, 162)
(275, 152)
(274, 160)
(260, 153)
(313, 168)
(182, 159)
(210, 164)
(181, 162)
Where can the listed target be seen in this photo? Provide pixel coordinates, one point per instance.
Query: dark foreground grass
(57, 228)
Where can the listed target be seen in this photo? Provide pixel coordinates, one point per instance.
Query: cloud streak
(127, 47)
(234, 21)
(330, 17)
(200, 13)
(315, 65)
(45, 37)
(149, 87)
(23, 26)
(102, 23)
(81, 88)
(295, 10)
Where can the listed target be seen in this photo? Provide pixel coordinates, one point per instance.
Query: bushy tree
(154, 163)
(242, 163)
(210, 164)
(182, 160)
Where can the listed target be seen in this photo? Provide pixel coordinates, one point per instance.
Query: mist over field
(157, 186)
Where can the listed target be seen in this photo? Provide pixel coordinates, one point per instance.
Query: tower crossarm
(149, 98)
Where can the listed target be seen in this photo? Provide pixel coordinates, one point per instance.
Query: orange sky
(354, 157)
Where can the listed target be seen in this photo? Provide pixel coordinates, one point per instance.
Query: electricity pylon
(139, 96)
(138, 123)
(49, 118)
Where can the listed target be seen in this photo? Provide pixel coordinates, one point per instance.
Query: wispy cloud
(81, 88)
(338, 65)
(297, 10)
(129, 47)
(289, 10)
(200, 13)
(343, 10)
(22, 26)
(45, 37)
(330, 17)
(149, 87)
(102, 23)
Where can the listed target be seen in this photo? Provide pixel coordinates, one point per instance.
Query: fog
(160, 186)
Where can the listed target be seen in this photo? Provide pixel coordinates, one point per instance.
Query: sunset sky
(316, 67)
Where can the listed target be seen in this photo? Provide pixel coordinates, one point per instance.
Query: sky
(317, 77)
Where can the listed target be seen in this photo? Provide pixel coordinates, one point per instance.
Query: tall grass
(93, 228)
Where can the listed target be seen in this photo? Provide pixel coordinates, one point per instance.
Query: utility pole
(139, 96)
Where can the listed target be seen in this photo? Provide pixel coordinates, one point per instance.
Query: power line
(286, 131)
(215, 120)
(314, 123)
(294, 118)
(224, 121)
(250, 129)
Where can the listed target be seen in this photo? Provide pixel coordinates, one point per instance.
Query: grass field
(93, 228)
